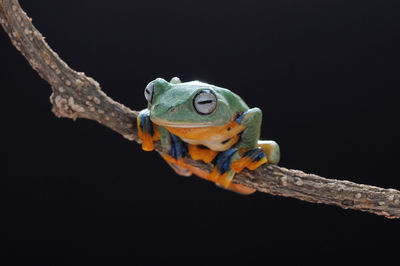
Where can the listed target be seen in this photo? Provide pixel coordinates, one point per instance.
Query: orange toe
(226, 178)
(240, 164)
(256, 164)
(214, 175)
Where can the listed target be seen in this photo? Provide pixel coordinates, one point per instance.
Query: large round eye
(148, 92)
(205, 102)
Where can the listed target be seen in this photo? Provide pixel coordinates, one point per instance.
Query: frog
(208, 123)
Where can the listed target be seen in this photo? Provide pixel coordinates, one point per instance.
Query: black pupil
(147, 91)
(205, 102)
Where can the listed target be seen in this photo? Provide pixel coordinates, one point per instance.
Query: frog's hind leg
(271, 150)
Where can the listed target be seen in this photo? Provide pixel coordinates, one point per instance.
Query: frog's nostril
(171, 109)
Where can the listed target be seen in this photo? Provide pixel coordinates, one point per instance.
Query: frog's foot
(200, 152)
(229, 162)
(222, 173)
(271, 150)
(252, 159)
(147, 131)
(176, 150)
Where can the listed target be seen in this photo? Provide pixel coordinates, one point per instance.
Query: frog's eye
(148, 92)
(205, 102)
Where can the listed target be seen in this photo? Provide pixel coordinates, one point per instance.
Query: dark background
(325, 74)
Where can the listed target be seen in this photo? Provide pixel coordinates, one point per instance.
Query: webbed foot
(229, 162)
(252, 159)
(222, 173)
(174, 151)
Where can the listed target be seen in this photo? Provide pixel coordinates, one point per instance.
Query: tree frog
(207, 123)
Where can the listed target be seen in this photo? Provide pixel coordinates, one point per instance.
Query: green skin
(172, 105)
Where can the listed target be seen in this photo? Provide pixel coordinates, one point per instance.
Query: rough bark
(74, 95)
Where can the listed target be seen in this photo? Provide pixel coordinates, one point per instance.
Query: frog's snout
(171, 109)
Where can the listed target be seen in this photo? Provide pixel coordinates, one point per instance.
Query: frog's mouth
(165, 123)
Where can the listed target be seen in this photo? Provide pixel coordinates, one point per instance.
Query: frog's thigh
(271, 150)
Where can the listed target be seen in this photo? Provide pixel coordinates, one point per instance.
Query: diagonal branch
(77, 96)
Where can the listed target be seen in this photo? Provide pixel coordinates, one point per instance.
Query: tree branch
(77, 96)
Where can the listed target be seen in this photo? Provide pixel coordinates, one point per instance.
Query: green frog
(207, 123)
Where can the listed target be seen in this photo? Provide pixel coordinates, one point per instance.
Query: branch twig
(77, 96)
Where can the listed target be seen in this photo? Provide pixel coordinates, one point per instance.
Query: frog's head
(189, 104)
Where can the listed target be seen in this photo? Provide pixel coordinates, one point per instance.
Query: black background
(325, 74)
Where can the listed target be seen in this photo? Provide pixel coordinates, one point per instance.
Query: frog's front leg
(147, 131)
(172, 146)
(244, 153)
(252, 154)
(173, 151)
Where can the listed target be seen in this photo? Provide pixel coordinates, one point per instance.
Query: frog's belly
(217, 138)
